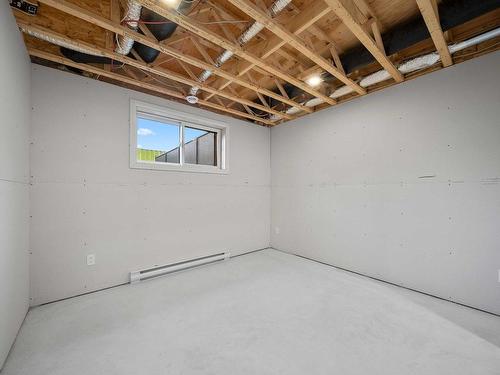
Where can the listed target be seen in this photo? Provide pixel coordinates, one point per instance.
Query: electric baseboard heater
(136, 276)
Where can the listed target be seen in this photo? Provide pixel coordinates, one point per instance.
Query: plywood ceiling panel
(266, 81)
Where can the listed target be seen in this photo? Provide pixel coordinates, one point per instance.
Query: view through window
(200, 146)
(160, 141)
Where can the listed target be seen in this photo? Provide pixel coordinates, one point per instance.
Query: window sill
(179, 168)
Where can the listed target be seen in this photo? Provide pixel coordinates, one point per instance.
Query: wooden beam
(176, 39)
(263, 100)
(229, 35)
(147, 32)
(130, 73)
(187, 69)
(281, 88)
(294, 41)
(118, 77)
(358, 30)
(378, 36)
(202, 50)
(429, 11)
(204, 32)
(313, 29)
(100, 21)
(218, 100)
(297, 25)
(225, 14)
(136, 55)
(147, 68)
(114, 15)
(364, 8)
(336, 58)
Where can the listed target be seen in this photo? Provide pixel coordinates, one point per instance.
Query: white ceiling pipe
(133, 13)
(243, 39)
(341, 91)
(409, 66)
(473, 41)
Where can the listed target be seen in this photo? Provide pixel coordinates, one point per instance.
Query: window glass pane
(200, 146)
(157, 141)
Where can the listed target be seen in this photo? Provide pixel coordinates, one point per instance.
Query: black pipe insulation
(451, 13)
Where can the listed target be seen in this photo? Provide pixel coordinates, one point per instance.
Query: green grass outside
(147, 155)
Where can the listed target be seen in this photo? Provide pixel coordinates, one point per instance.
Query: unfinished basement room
(250, 187)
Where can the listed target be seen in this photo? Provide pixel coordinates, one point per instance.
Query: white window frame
(184, 119)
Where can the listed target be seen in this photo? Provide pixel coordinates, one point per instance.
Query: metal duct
(159, 26)
(59, 42)
(132, 14)
(243, 39)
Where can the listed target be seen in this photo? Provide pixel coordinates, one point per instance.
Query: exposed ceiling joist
(297, 25)
(359, 31)
(204, 32)
(294, 41)
(100, 21)
(156, 88)
(429, 11)
(264, 78)
(145, 67)
(372, 20)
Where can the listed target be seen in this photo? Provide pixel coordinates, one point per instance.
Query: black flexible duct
(452, 13)
(160, 31)
(160, 27)
(84, 58)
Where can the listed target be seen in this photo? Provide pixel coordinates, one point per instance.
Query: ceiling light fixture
(172, 3)
(314, 81)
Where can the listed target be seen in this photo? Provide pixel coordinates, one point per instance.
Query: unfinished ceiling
(265, 61)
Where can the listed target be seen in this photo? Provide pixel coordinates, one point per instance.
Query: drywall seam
(402, 185)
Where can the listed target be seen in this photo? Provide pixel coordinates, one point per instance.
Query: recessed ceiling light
(314, 81)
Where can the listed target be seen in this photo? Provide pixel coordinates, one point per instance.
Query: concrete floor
(262, 313)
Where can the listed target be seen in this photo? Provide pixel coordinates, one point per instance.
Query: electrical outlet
(277, 230)
(90, 259)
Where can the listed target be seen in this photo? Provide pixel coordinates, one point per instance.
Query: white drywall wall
(86, 200)
(348, 185)
(15, 107)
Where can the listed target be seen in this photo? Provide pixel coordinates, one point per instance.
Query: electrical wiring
(256, 114)
(224, 21)
(160, 81)
(170, 22)
(113, 66)
(146, 22)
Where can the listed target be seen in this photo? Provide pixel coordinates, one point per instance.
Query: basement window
(165, 139)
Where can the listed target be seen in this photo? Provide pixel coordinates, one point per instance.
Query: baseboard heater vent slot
(149, 273)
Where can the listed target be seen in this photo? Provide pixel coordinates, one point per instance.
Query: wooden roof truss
(304, 40)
